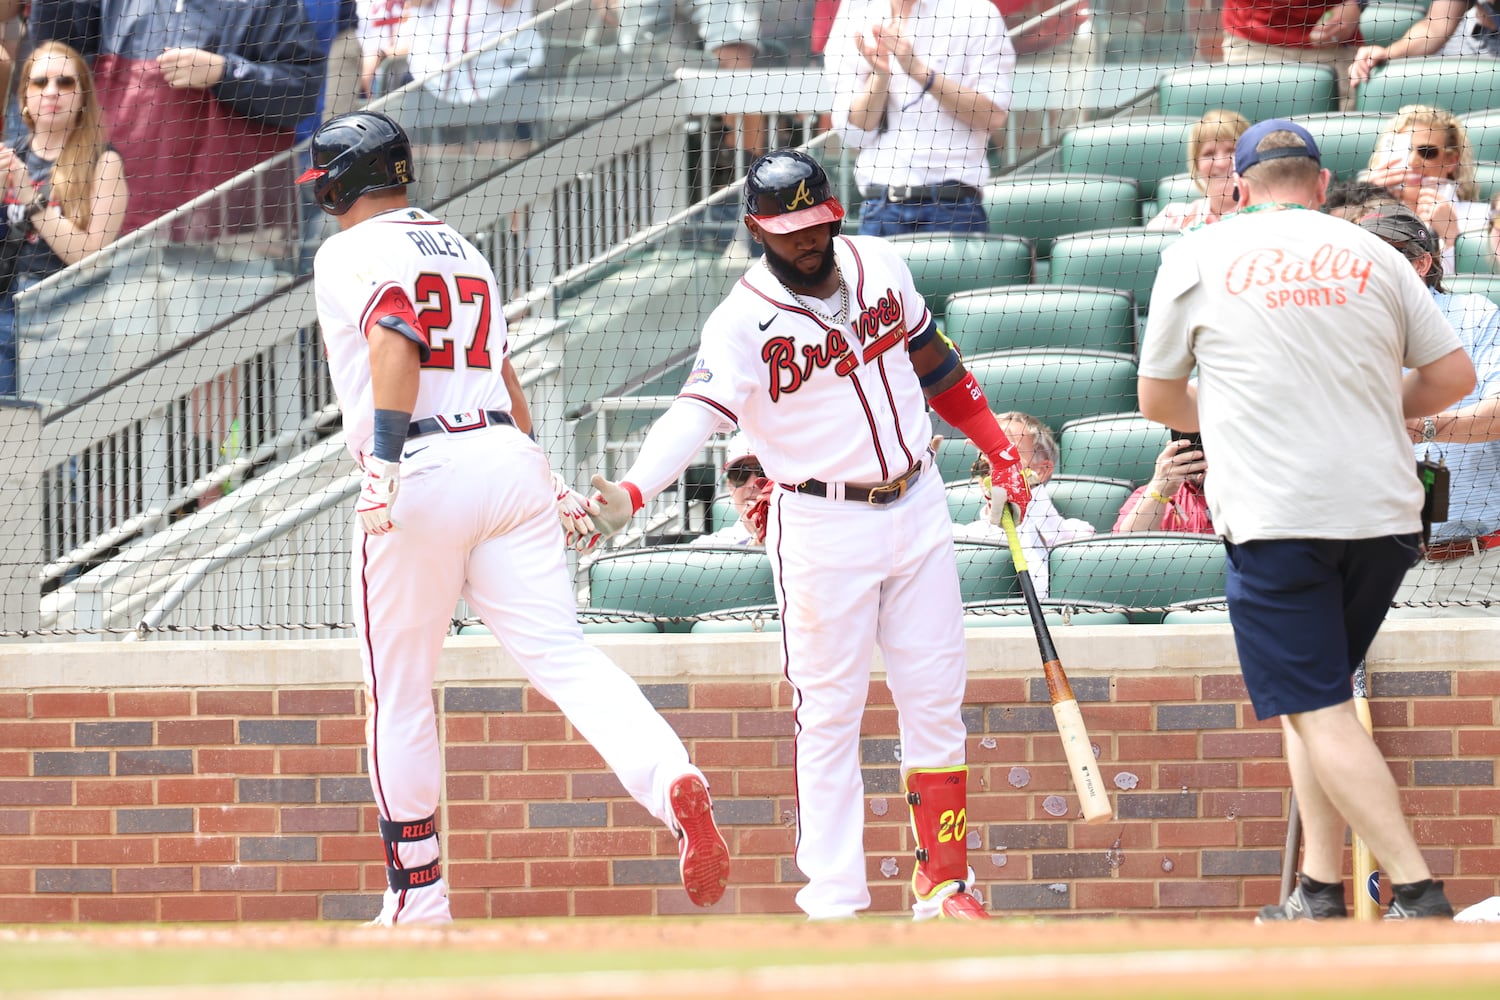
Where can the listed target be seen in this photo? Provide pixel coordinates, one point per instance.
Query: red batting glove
(1007, 474)
(759, 510)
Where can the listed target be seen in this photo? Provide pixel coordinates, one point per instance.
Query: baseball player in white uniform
(417, 349)
(825, 356)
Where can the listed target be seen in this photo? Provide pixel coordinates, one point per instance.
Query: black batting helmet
(1404, 229)
(355, 154)
(787, 190)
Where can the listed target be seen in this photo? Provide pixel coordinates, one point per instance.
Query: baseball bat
(1366, 906)
(1075, 738)
(1290, 854)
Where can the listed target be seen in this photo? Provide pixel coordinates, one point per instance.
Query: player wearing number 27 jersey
(826, 357)
(434, 416)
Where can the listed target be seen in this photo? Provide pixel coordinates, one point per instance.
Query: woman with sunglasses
(64, 186)
(1425, 159)
(746, 481)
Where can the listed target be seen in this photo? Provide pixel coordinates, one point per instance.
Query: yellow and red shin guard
(937, 797)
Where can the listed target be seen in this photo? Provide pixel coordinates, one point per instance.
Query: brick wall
(226, 782)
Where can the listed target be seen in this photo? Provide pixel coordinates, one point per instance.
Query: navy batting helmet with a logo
(787, 190)
(355, 154)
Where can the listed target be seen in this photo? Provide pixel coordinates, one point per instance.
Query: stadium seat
(1487, 285)
(1089, 498)
(1473, 253)
(1149, 570)
(943, 264)
(1383, 23)
(1483, 128)
(1147, 149)
(1116, 446)
(1459, 84)
(1056, 386)
(985, 572)
(1041, 207)
(1487, 176)
(1057, 614)
(1024, 317)
(1345, 139)
(1176, 188)
(965, 496)
(1126, 259)
(679, 581)
(1255, 90)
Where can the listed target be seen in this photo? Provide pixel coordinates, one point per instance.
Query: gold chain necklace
(837, 319)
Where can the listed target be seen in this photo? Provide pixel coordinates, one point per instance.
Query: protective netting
(177, 466)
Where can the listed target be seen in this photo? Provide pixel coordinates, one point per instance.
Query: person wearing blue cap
(1295, 319)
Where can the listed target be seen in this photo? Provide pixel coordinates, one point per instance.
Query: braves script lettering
(883, 313)
(1286, 280)
(788, 372)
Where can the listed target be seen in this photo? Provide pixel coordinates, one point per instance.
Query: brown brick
(12, 705)
(195, 732)
(612, 902)
(238, 819)
(15, 822)
(341, 732)
(73, 822)
(1265, 774)
(763, 724)
(199, 908)
(320, 878)
(321, 760)
(1242, 744)
(733, 753)
(118, 909)
(534, 701)
(1157, 746)
(1469, 832)
(466, 847)
(1479, 801)
(196, 850)
(1453, 712)
(41, 909)
(879, 721)
(1224, 687)
(1155, 689)
(237, 704)
(466, 787)
(1199, 893)
(1196, 776)
(557, 757)
(236, 761)
(491, 875)
(1427, 801)
(365, 847)
(612, 843)
(291, 701)
(529, 904)
(29, 792)
(1479, 742)
(526, 728)
(70, 705)
(154, 879)
(596, 785)
(36, 735)
(1117, 896)
(1467, 684)
(279, 907)
(114, 851)
(198, 791)
(733, 695)
(1419, 743)
(463, 728)
(528, 787)
(115, 792)
(39, 851)
(152, 704)
(325, 819)
(494, 816)
(1390, 714)
(1232, 805)
(1116, 718)
(15, 764)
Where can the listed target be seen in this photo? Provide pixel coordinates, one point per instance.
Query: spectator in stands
(1350, 200)
(193, 93)
(746, 481)
(1044, 526)
(1173, 499)
(1061, 41)
(384, 33)
(13, 52)
(1322, 32)
(443, 32)
(729, 29)
(1461, 562)
(1450, 28)
(919, 87)
(1424, 158)
(1210, 158)
(1495, 231)
(65, 192)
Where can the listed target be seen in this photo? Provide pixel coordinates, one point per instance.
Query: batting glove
(377, 496)
(610, 508)
(573, 512)
(1006, 472)
(759, 510)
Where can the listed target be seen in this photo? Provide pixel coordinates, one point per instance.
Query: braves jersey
(452, 288)
(798, 385)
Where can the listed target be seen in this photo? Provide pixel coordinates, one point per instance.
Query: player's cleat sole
(701, 848)
(962, 906)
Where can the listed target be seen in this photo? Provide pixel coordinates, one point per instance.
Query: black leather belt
(457, 423)
(946, 191)
(879, 496)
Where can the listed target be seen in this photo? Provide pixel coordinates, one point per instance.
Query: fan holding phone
(1173, 499)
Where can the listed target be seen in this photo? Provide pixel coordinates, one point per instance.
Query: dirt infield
(785, 958)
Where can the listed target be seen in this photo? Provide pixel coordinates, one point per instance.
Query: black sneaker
(1326, 903)
(1420, 899)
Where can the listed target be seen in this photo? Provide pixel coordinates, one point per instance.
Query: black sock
(1313, 885)
(1411, 890)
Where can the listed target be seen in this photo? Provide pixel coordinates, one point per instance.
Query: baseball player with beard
(418, 354)
(826, 357)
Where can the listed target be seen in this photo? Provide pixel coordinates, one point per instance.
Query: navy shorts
(1305, 611)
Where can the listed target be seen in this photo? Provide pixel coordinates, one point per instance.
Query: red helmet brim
(312, 174)
(791, 222)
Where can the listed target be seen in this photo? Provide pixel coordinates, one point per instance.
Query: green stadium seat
(1089, 498)
(1146, 149)
(1459, 84)
(942, 264)
(965, 496)
(1126, 259)
(1116, 446)
(1487, 285)
(1024, 317)
(1345, 139)
(985, 572)
(1056, 386)
(1057, 614)
(679, 581)
(1487, 176)
(1483, 128)
(1473, 253)
(1178, 187)
(1041, 207)
(1383, 23)
(1149, 570)
(1255, 90)
(1200, 612)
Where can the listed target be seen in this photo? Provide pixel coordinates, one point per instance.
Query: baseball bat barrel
(1366, 906)
(1077, 747)
(1293, 849)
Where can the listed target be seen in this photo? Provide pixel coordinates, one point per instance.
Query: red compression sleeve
(636, 500)
(965, 407)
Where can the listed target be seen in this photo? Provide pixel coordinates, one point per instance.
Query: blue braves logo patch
(700, 373)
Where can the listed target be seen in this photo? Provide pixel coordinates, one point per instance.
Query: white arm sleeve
(671, 444)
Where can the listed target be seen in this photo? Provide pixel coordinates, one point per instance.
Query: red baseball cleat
(704, 855)
(962, 906)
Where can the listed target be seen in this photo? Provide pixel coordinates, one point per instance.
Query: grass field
(786, 958)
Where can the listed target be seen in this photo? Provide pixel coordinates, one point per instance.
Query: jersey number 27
(434, 301)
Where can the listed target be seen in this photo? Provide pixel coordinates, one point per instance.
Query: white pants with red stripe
(851, 577)
(476, 518)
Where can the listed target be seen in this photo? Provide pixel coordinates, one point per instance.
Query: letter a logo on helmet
(787, 190)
